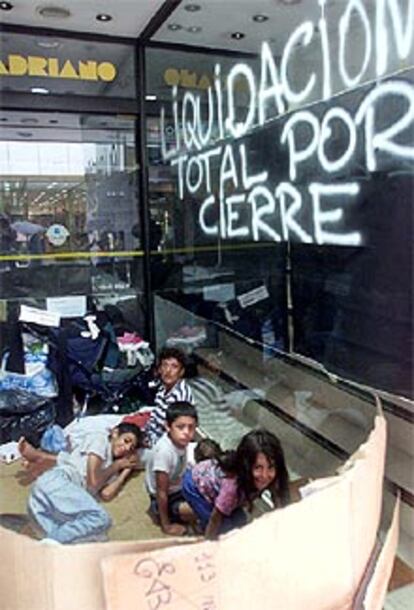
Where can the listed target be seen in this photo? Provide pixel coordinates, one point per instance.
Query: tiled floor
(128, 510)
(401, 587)
(400, 599)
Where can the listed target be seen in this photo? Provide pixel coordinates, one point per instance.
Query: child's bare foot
(33, 470)
(35, 461)
(27, 451)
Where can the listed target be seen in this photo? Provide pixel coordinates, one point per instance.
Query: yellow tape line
(216, 248)
(131, 253)
(70, 255)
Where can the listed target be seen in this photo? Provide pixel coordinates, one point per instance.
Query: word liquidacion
(211, 149)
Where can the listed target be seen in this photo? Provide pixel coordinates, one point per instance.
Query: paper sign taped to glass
(312, 554)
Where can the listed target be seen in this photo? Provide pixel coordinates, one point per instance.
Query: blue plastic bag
(54, 440)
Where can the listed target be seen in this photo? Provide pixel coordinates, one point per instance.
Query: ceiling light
(103, 17)
(194, 29)
(41, 90)
(6, 6)
(174, 27)
(238, 35)
(289, 2)
(150, 97)
(53, 12)
(192, 8)
(260, 18)
(28, 121)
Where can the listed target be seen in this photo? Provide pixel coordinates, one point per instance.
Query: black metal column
(143, 201)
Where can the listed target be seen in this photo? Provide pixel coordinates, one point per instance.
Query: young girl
(217, 489)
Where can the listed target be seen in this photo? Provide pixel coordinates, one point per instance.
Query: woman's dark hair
(241, 461)
(125, 427)
(173, 352)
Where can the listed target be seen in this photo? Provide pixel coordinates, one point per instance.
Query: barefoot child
(217, 489)
(165, 468)
(63, 499)
(35, 461)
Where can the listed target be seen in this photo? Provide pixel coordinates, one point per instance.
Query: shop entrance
(70, 235)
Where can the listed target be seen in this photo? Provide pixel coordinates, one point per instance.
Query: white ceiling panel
(215, 21)
(201, 23)
(129, 17)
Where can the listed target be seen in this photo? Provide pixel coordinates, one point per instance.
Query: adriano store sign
(52, 67)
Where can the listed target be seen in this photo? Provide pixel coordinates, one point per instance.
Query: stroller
(91, 371)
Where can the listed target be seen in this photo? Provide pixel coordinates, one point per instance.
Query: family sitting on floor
(209, 496)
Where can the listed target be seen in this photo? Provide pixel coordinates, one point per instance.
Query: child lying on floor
(63, 499)
(36, 461)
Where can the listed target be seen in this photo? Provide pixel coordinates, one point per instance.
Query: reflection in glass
(69, 210)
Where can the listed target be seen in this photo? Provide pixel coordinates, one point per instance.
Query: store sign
(312, 199)
(188, 79)
(52, 67)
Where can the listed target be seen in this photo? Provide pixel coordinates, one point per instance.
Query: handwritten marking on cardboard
(157, 591)
(177, 579)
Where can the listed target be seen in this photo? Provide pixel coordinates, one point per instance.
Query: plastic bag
(54, 440)
(24, 414)
(38, 378)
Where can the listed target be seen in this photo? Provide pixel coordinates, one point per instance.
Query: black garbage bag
(25, 414)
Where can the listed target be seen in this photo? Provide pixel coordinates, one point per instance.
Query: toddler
(207, 449)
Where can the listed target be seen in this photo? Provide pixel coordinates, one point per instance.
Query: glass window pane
(282, 199)
(69, 209)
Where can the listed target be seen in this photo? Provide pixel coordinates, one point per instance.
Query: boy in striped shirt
(173, 388)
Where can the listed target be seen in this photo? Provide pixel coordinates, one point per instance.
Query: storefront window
(277, 174)
(281, 207)
(69, 213)
(227, 280)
